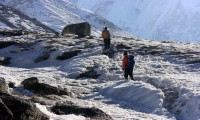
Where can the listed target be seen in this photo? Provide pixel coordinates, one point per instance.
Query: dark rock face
(92, 113)
(22, 109)
(33, 85)
(3, 85)
(68, 55)
(80, 29)
(5, 113)
(5, 61)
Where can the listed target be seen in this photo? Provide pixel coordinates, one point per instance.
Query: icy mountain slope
(156, 19)
(166, 85)
(58, 13)
(11, 18)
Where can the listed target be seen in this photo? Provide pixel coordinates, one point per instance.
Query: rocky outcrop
(80, 29)
(33, 85)
(92, 113)
(21, 109)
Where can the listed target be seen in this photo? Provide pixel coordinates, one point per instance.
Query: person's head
(105, 28)
(125, 53)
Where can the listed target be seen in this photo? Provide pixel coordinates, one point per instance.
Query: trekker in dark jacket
(127, 65)
(106, 37)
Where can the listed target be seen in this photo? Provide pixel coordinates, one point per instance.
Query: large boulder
(33, 85)
(80, 29)
(3, 85)
(22, 109)
(92, 113)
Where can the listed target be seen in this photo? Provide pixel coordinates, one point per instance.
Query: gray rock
(22, 109)
(33, 85)
(92, 113)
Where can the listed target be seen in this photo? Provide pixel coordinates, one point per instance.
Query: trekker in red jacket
(128, 63)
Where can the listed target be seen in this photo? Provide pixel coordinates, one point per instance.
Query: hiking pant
(107, 43)
(128, 72)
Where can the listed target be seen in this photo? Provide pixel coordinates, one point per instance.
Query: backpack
(131, 61)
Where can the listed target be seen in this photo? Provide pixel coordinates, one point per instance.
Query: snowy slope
(156, 19)
(167, 75)
(58, 13)
(11, 18)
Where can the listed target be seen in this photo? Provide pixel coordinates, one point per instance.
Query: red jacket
(124, 62)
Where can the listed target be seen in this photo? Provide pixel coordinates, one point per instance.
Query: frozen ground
(167, 75)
